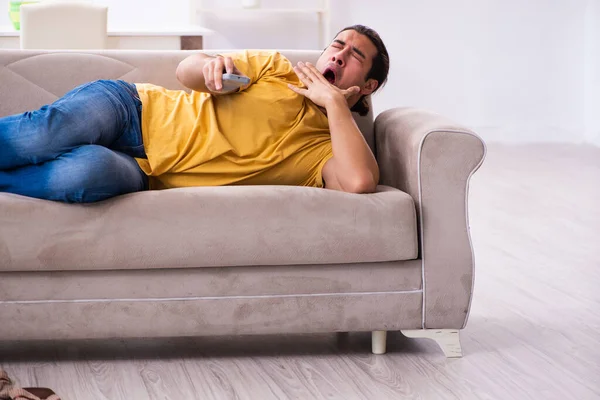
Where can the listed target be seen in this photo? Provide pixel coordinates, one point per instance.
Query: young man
(289, 126)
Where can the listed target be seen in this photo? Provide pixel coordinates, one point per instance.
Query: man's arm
(353, 167)
(204, 73)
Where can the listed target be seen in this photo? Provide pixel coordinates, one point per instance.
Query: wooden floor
(534, 329)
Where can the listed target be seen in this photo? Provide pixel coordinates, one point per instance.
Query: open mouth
(329, 74)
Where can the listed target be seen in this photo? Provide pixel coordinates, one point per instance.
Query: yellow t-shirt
(265, 134)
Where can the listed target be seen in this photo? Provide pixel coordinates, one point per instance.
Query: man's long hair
(380, 68)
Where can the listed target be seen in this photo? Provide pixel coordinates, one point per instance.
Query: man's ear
(369, 87)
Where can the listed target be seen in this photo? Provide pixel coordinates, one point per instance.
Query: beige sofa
(241, 260)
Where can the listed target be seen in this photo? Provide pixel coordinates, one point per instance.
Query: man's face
(348, 60)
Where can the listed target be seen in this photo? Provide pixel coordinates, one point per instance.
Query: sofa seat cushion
(208, 227)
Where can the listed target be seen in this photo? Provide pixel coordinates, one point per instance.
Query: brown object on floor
(8, 391)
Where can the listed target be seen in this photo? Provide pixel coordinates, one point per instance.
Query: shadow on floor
(206, 347)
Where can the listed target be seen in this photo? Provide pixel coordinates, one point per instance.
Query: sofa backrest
(30, 79)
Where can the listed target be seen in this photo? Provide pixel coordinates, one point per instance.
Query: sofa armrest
(432, 159)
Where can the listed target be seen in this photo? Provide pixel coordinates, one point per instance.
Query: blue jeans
(78, 149)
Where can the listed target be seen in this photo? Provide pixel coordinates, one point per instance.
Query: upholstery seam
(152, 299)
(33, 83)
(466, 216)
(53, 52)
(469, 230)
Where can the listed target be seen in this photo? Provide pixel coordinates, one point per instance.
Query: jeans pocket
(131, 141)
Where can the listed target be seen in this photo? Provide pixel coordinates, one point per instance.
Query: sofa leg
(378, 339)
(447, 339)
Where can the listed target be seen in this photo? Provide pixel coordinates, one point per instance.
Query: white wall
(251, 29)
(147, 12)
(4, 21)
(515, 71)
(592, 73)
(508, 68)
